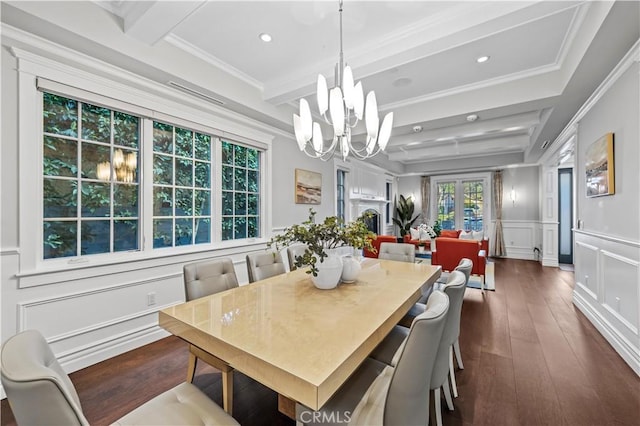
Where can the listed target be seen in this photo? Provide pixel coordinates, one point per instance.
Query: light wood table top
(298, 340)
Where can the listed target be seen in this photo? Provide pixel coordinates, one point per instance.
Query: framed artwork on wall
(308, 188)
(599, 167)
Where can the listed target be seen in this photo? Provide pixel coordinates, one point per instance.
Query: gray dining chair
(465, 266)
(401, 252)
(203, 279)
(391, 347)
(41, 393)
(262, 265)
(293, 252)
(208, 277)
(381, 394)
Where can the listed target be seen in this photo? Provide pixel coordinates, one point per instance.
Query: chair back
(38, 389)
(263, 265)
(465, 266)
(408, 395)
(208, 277)
(454, 289)
(402, 252)
(293, 252)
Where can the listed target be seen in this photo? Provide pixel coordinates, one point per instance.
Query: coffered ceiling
(451, 112)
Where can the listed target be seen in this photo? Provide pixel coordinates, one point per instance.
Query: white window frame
(154, 101)
(458, 179)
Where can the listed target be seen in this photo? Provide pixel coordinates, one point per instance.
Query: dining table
(298, 340)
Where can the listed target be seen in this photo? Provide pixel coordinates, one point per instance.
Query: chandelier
(124, 167)
(346, 106)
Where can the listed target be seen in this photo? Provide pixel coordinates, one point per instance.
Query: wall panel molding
(622, 345)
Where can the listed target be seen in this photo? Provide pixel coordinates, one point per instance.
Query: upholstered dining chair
(41, 393)
(203, 279)
(392, 346)
(402, 252)
(293, 252)
(263, 265)
(381, 394)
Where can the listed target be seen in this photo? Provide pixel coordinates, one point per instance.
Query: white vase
(329, 272)
(420, 249)
(350, 269)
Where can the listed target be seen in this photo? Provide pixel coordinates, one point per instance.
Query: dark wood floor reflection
(531, 358)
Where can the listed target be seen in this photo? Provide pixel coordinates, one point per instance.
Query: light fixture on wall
(124, 167)
(513, 196)
(346, 106)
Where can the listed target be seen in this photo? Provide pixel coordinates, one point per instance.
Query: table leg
(287, 406)
(227, 391)
(226, 370)
(191, 369)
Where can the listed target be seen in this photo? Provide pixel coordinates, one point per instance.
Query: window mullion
(216, 190)
(146, 209)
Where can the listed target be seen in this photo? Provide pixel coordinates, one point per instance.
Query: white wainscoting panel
(586, 269)
(618, 294)
(520, 238)
(607, 291)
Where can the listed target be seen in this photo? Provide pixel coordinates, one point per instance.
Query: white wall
(286, 158)
(521, 218)
(607, 251)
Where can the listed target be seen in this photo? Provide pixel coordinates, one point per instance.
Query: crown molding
(212, 60)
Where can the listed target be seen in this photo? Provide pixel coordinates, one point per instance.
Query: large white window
(93, 185)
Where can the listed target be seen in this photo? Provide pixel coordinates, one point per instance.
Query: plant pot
(350, 269)
(329, 272)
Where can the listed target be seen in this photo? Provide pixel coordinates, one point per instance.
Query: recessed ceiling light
(472, 117)
(265, 37)
(482, 59)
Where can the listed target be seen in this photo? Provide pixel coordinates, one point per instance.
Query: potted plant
(320, 239)
(404, 215)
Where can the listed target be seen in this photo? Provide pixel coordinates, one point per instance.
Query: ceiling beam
(150, 22)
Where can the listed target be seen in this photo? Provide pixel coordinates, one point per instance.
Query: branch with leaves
(319, 237)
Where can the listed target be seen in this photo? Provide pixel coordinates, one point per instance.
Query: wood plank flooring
(530, 357)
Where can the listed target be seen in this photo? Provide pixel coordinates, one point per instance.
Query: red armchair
(376, 244)
(449, 251)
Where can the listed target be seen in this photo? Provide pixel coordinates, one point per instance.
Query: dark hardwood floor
(530, 357)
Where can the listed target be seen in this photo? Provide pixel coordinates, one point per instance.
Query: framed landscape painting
(308, 187)
(599, 167)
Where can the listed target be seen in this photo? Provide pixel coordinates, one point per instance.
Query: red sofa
(408, 240)
(449, 251)
(376, 244)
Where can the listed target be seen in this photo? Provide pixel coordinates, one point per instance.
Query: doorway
(565, 216)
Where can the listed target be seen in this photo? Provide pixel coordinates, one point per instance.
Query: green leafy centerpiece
(320, 239)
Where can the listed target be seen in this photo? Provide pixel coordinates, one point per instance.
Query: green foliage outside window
(240, 192)
(181, 186)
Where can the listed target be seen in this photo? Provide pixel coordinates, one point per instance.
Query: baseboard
(621, 345)
(109, 348)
